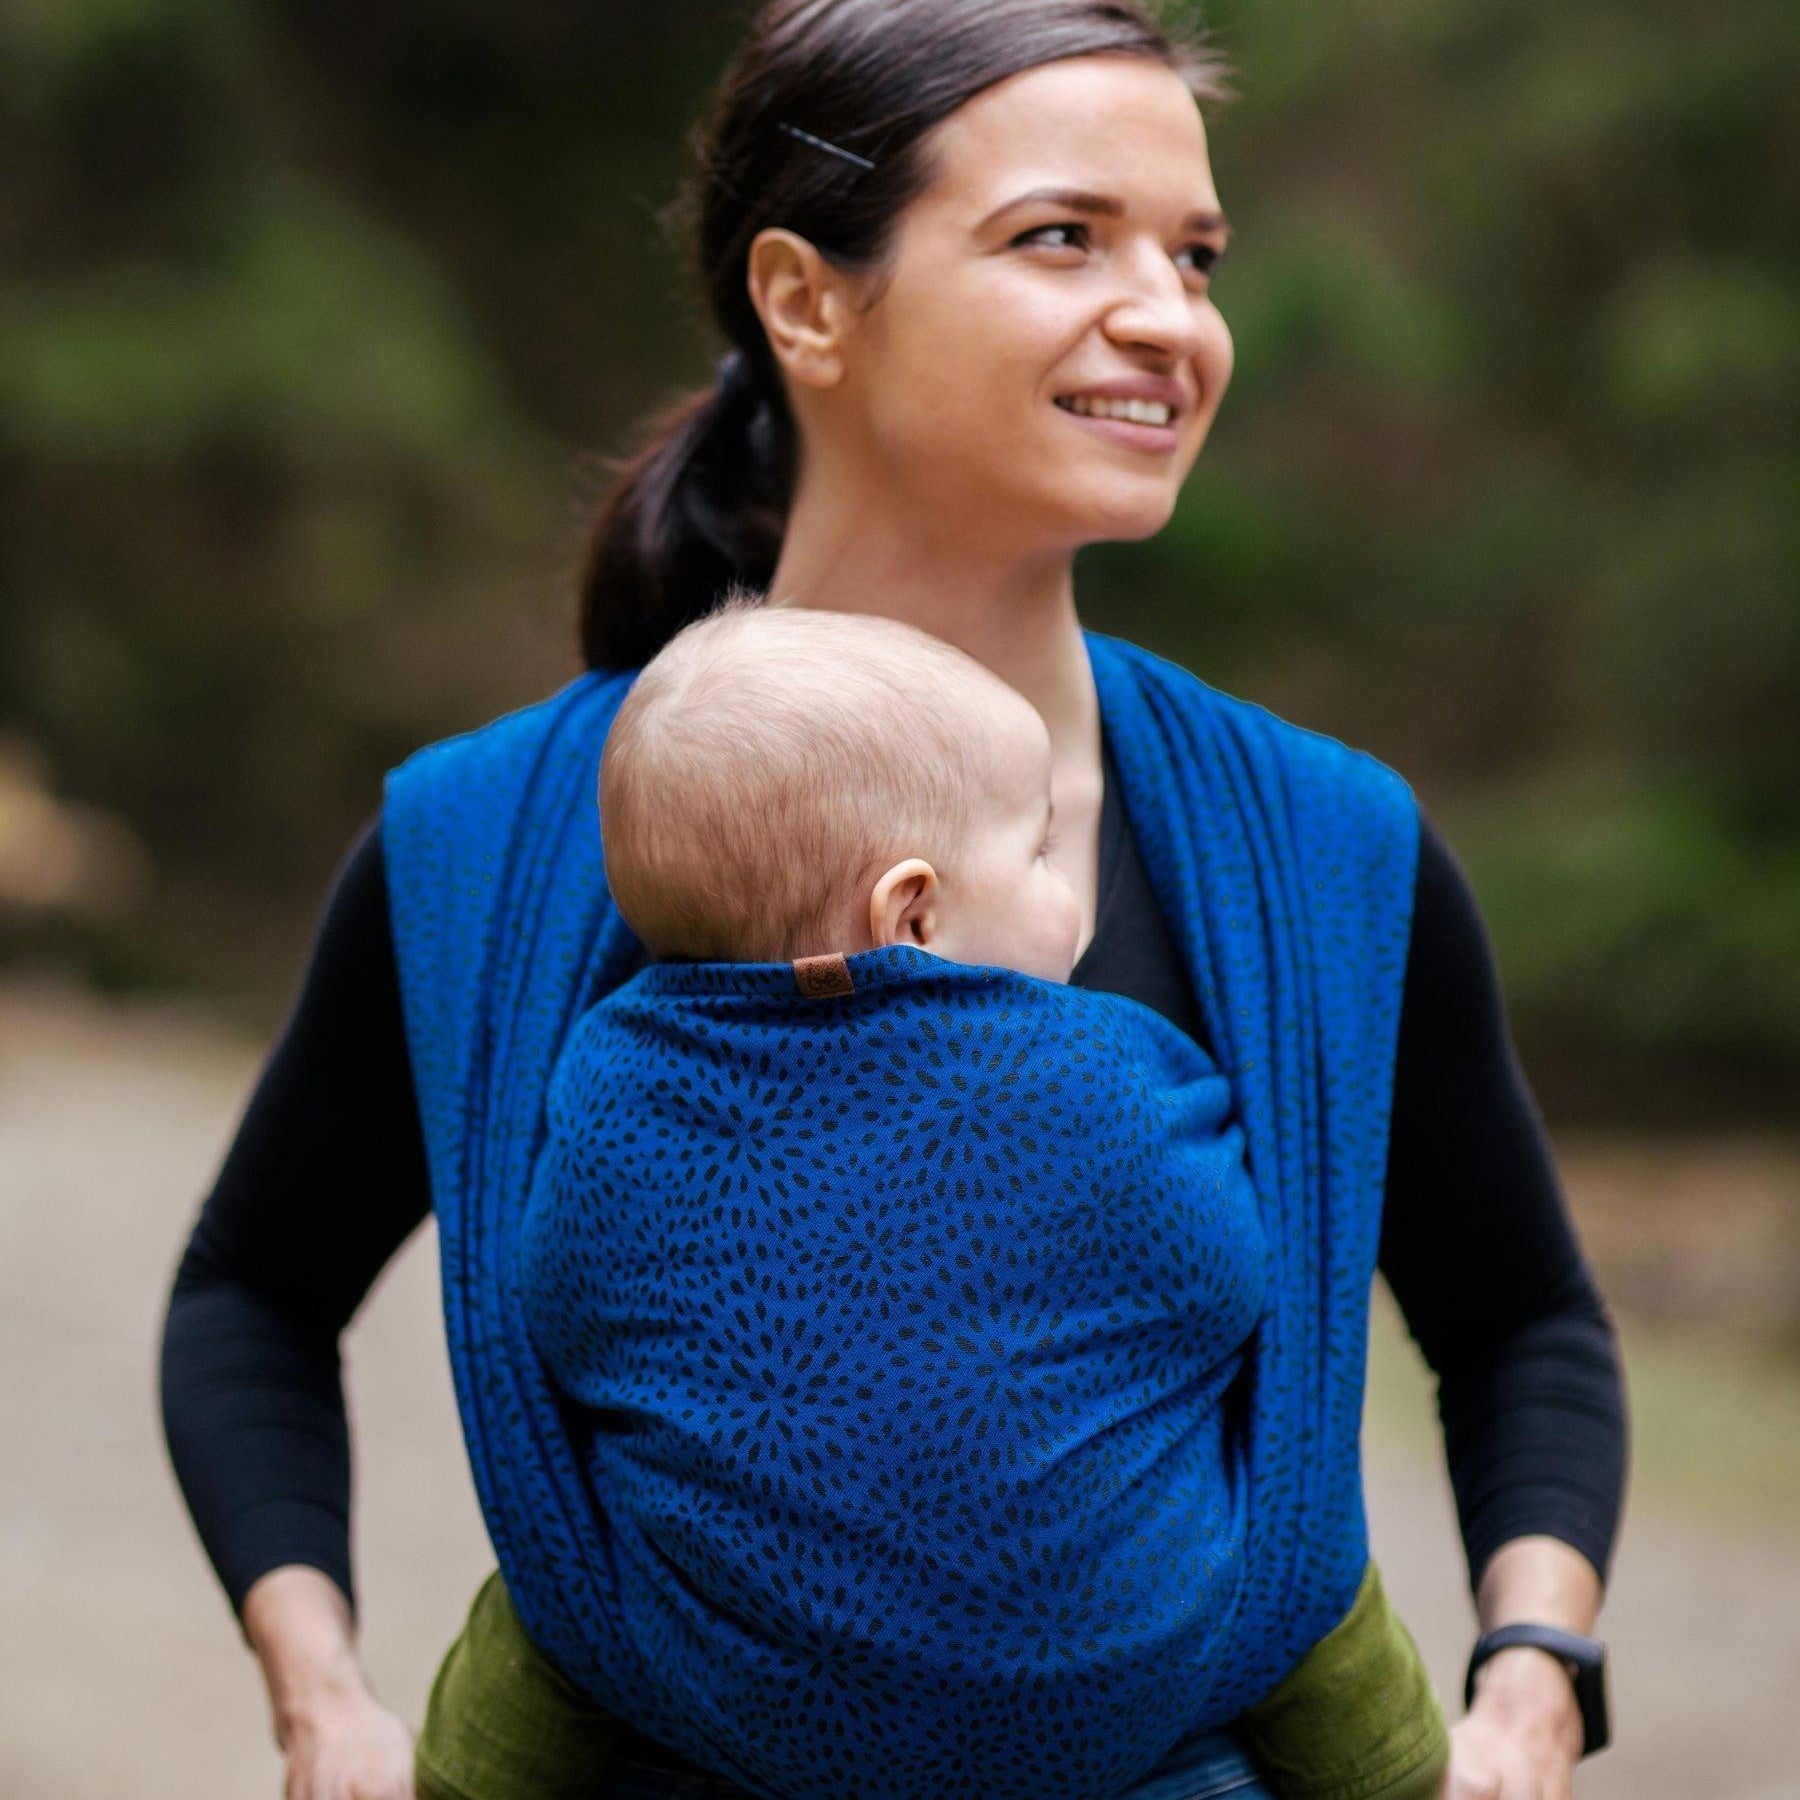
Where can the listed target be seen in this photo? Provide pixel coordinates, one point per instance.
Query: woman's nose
(1158, 309)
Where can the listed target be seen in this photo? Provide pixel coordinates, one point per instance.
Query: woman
(937, 236)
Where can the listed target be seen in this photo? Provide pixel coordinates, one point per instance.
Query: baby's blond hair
(771, 761)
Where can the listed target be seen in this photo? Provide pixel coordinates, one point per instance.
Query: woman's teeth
(1138, 412)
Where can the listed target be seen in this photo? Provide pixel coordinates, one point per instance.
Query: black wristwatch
(1585, 1659)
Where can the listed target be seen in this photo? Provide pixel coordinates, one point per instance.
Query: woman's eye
(1206, 256)
(1049, 845)
(1063, 225)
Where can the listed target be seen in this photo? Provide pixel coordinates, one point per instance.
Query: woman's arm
(1480, 1252)
(324, 1180)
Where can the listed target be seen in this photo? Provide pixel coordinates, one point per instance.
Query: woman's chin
(1124, 517)
(1074, 511)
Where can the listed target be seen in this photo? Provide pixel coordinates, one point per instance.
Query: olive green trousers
(1357, 1719)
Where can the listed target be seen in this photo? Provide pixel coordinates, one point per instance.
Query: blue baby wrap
(950, 1387)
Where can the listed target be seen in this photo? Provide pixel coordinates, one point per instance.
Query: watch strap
(1588, 1655)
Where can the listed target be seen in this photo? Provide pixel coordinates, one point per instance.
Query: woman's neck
(1014, 616)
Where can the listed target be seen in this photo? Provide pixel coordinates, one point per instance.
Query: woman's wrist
(300, 1625)
(1527, 1692)
(1531, 1694)
(1540, 1579)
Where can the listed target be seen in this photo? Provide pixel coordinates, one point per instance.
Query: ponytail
(701, 506)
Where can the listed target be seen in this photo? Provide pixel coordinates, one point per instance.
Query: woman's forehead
(1124, 127)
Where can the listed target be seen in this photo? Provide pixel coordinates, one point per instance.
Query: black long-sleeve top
(326, 1178)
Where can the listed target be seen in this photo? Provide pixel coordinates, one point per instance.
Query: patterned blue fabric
(1094, 1350)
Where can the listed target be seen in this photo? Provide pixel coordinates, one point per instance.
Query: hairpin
(806, 137)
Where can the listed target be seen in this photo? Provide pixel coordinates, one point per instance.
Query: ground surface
(121, 1673)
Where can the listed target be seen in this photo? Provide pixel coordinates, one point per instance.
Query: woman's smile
(1155, 440)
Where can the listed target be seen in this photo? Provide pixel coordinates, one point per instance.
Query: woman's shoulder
(517, 792)
(1297, 747)
(521, 737)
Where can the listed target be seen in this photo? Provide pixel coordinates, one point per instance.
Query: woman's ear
(903, 905)
(803, 304)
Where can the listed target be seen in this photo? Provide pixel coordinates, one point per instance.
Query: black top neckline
(1112, 859)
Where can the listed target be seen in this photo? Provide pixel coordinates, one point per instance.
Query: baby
(797, 806)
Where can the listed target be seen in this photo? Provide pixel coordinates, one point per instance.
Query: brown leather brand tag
(820, 977)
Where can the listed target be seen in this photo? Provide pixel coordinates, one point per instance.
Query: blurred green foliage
(314, 319)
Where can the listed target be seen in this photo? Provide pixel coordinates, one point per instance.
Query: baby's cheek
(1064, 905)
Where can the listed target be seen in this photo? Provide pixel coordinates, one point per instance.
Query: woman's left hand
(1522, 1736)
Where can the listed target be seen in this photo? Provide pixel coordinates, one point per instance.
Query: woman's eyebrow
(1080, 200)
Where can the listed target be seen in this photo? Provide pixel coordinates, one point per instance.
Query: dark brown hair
(703, 503)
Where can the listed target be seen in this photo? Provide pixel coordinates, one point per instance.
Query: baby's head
(782, 782)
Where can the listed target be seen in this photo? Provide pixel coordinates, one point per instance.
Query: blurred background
(317, 326)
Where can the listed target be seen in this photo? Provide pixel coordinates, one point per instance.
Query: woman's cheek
(1217, 359)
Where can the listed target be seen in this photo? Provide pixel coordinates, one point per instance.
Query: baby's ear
(904, 904)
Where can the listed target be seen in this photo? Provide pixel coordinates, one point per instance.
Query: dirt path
(121, 1673)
